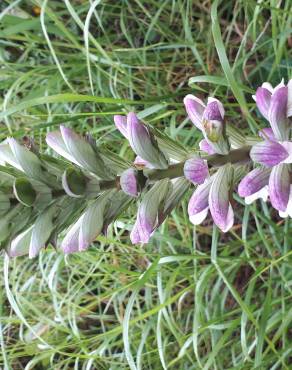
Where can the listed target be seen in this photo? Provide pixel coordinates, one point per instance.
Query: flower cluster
(273, 178)
(75, 198)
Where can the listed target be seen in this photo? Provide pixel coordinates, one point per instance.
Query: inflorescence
(44, 198)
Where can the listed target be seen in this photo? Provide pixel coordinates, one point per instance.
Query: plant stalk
(177, 169)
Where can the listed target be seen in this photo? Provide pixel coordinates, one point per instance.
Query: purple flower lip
(263, 100)
(214, 110)
(268, 153)
(198, 204)
(196, 170)
(254, 182)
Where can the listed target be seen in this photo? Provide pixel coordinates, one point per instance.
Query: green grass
(192, 298)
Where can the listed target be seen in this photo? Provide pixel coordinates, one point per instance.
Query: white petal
(283, 214)
(268, 86)
(281, 84)
(263, 193)
(7, 156)
(198, 218)
(229, 219)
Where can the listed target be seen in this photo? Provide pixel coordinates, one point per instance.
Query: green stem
(214, 160)
(234, 156)
(177, 169)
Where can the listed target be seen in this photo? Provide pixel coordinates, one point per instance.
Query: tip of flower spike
(280, 85)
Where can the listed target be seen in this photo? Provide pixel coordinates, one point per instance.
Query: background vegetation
(192, 298)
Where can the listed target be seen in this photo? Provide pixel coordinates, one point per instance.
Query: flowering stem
(177, 169)
(234, 156)
(214, 160)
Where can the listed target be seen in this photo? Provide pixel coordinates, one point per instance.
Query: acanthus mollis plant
(71, 198)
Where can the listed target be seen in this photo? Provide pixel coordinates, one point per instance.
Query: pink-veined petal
(268, 153)
(214, 110)
(263, 100)
(121, 124)
(254, 181)
(206, 147)
(279, 186)
(219, 204)
(129, 183)
(195, 109)
(267, 134)
(278, 113)
(198, 202)
(196, 170)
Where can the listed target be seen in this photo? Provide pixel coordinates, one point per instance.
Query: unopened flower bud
(129, 182)
(196, 170)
